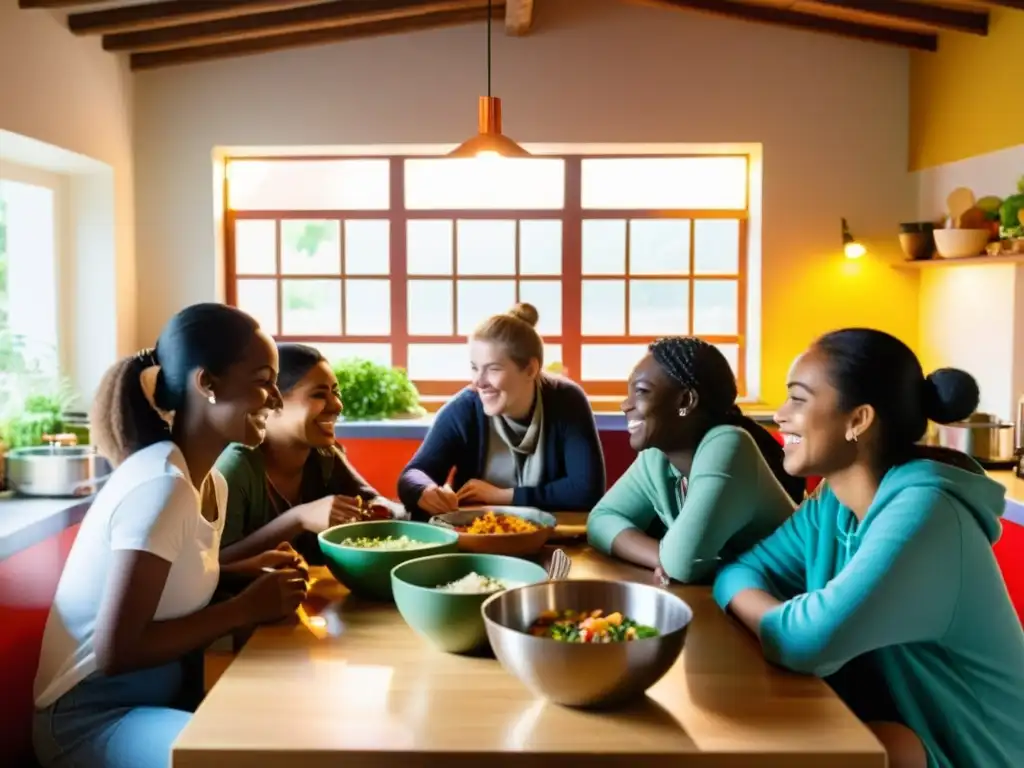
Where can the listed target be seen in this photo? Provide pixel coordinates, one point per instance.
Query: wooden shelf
(977, 261)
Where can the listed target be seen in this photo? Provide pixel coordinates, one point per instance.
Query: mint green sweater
(914, 590)
(732, 501)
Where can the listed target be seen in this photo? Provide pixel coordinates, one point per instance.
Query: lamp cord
(488, 48)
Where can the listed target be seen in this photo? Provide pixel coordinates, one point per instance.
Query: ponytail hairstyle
(516, 332)
(869, 367)
(700, 367)
(137, 393)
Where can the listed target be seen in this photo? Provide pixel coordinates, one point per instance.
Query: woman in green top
(708, 483)
(297, 482)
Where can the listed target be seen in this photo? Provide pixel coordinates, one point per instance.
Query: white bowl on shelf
(960, 243)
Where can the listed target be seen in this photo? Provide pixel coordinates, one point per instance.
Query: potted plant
(372, 391)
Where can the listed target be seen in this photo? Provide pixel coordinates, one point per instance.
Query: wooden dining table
(349, 684)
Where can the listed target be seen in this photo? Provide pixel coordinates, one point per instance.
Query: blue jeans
(124, 721)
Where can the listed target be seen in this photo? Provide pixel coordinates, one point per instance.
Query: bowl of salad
(361, 555)
(587, 643)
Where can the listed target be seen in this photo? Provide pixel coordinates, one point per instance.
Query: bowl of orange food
(499, 530)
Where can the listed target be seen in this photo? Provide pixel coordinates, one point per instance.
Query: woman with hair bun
(515, 436)
(113, 687)
(884, 582)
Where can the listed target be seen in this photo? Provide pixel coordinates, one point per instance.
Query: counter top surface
(27, 521)
(366, 691)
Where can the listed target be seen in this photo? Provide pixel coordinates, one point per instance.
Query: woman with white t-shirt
(133, 604)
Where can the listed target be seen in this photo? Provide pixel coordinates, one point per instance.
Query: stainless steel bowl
(61, 471)
(584, 674)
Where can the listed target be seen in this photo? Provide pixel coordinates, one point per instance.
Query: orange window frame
(571, 215)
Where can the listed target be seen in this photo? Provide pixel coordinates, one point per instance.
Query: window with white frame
(397, 259)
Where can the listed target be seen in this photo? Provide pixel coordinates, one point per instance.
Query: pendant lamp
(489, 140)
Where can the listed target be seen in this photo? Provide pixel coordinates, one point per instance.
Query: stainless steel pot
(983, 437)
(57, 470)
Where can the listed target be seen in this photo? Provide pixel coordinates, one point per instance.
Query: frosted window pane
(528, 184)
(439, 362)
(658, 308)
(367, 246)
(546, 296)
(732, 354)
(486, 247)
(309, 185)
(708, 183)
(603, 308)
(479, 299)
(610, 362)
(378, 353)
(311, 307)
(716, 247)
(604, 247)
(715, 307)
(259, 299)
(540, 247)
(429, 247)
(367, 307)
(430, 307)
(310, 247)
(255, 247)
(659, 246)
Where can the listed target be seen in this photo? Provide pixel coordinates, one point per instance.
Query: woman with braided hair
(132, 610)
(708, 482)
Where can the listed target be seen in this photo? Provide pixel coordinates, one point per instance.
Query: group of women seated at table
(883, 582)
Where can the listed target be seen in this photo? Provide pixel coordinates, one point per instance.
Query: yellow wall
(965, 100)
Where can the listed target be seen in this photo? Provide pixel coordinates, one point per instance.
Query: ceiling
(161, 33)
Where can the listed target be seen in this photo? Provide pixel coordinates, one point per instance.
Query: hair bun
(950, 395)
(525, 312)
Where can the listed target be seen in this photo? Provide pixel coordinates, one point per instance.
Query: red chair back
(1009, 552)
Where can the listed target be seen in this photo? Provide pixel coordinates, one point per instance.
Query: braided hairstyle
(700, 367)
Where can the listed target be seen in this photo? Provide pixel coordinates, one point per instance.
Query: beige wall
(74, 103)
(831, 114)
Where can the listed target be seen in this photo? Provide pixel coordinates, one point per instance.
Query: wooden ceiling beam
(128, 18)
(339, 13)
(957, 20)
(769, 14)
(276, 42)
(518, 16)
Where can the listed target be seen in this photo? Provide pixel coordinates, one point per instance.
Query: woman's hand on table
(482, 492)
(661, 579)
(437, 500)
(274, 595)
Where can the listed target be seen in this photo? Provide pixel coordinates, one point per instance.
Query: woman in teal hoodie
(885, 582)
(708, 482)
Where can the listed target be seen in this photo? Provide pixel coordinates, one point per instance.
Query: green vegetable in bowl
(1010, 225)
(571, 626)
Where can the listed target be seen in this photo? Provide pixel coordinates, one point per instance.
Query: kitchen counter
(356, 687)
(25, 522)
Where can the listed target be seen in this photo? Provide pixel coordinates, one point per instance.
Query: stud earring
(212, 399)
(684, 412)
(851, 437)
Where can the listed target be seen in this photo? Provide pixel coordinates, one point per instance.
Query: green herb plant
(373, 391)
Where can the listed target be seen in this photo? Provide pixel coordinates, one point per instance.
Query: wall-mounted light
(852, 248)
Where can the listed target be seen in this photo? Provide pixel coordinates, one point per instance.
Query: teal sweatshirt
(915, 588)
(733, 500)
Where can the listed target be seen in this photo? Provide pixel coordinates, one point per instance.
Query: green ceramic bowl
(367, 572)
(450, 620)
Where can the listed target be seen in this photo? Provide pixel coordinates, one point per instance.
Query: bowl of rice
(499, 530)
(361, 555)
(439, 596)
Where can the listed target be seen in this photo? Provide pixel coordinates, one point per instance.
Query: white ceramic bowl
(960, 243)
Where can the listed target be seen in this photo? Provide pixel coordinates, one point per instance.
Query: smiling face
(246, 393)
(652, 407)
(814, 426)
(503, 386)
(311, 409)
